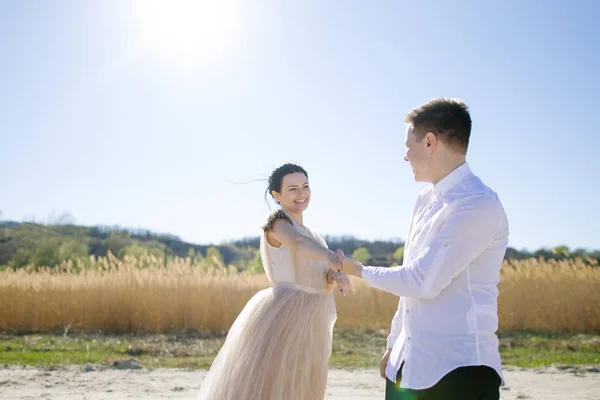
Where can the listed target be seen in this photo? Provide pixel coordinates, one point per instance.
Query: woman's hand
(341, 279)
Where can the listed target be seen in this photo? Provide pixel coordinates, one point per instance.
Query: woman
(279, 345)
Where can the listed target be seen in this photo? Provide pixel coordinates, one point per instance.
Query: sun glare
(184, 32)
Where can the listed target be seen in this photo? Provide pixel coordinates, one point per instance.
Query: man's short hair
(447, 118)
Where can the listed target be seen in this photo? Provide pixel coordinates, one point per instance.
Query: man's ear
(431, 141)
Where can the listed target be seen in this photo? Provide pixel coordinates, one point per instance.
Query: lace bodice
(281, 264)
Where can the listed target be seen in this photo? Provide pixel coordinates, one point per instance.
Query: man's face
(417, 155)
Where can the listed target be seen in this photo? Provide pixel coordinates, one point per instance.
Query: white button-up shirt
(448, 313)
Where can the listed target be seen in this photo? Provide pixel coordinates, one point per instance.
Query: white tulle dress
(279, 345)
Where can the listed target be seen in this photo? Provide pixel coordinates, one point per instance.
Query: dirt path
(72, 383)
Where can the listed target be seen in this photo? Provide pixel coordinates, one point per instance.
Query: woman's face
(295, 193)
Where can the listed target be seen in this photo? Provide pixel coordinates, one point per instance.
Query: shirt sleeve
(465, 234)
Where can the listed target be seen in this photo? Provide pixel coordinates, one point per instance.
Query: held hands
(335, 261)
(350, 265)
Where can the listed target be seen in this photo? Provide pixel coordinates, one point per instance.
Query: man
(443, 342)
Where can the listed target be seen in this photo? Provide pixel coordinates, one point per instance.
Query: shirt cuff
(367, 275)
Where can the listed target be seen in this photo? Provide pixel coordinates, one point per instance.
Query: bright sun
(186, 33)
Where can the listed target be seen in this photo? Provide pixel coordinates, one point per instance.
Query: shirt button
(407, 311)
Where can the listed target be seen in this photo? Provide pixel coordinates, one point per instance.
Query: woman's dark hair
(276, 178)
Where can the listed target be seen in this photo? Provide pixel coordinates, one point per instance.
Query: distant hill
(23, 243)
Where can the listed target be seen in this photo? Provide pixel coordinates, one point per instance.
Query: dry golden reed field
(143, 296)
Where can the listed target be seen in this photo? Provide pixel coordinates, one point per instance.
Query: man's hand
(384, 362)
(351, 266)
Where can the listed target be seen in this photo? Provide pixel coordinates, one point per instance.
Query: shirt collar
(453, 178)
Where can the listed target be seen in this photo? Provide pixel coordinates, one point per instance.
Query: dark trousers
(464, 383)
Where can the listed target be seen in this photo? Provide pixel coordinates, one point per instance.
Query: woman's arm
(285, 233)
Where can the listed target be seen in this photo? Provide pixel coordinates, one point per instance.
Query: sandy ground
(72, 383)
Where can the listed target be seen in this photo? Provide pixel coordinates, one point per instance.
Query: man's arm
(464, 236)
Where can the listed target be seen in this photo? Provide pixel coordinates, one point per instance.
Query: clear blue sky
(122, 115)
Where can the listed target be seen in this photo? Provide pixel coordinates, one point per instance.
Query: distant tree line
(37, 244)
